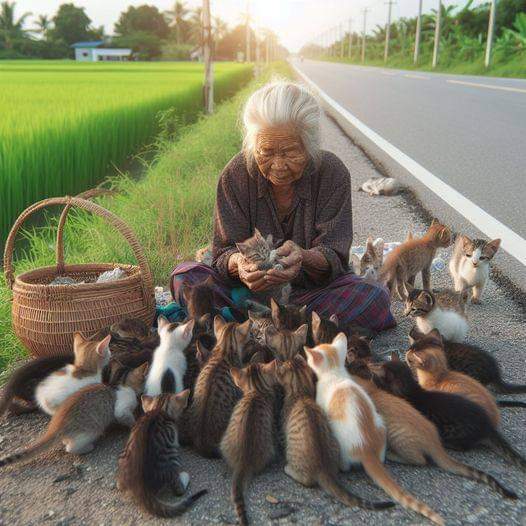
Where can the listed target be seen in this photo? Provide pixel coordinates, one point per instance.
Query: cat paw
(278, 266)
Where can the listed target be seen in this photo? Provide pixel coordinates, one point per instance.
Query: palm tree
(11, 30)
(220, 28)
(177, 18)
(196, 26)
(43, 25)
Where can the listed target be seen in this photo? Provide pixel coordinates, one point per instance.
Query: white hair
(281, 103)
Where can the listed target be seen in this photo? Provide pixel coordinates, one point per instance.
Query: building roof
(95, 43)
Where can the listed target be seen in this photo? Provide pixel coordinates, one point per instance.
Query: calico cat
(473, 361)
(462, 424)
(215, 393)
(429, 360)
(355, 422)
(312, 452)
(442, 310)
(260, 252)
(381, 186)
(286, 344)
(470, 262)
(414, 256)
(150, 463)
(288, 317)
(84, 417)
(168, 366)
(413, 439)
(369, 265)
(248, 445)
(90, 358)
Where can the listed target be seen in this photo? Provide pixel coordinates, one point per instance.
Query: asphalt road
(468, 131)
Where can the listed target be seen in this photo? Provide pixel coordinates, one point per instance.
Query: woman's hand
(247, 273)
(291, 257)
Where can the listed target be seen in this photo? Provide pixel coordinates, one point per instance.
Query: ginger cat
(429, 359)
(355, 422)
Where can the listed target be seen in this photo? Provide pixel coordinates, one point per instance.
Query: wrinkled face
(419, 303)
(479, 251)
(280, 155)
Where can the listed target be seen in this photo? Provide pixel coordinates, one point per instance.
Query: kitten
(381, 186)
(215, 393)
(248, 445)
(462, 424)
(475, 362)
(470, 262)
(169, 362)
(415, 255)
(288, 317)
(84, 417)
(312, 452)
(260, 252)
(434, 310)
(150, 464)
(369, 265)
(18, 395)
(428, 358)
(413, 439)
(90, 358)
(199, 299)
(286, 344)
(355, 422)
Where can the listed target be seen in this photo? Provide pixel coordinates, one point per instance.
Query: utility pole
(418, 32)
(350, 38)
(208, 86)
(388, 30)
(247, 34)
(437, 34)
(491, 30)
(363, 35)
(341, 41)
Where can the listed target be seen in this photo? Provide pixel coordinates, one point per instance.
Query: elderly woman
(284, 184)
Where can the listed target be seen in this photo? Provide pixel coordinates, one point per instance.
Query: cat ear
(181, 398)
(314, 357)
(414, 335)
(205, 321)
(187, 330)
(219, 325)
(242, 247)
(377, 369)
(78, 339)
(409, 235)
(340, 343)
(103, 346)
(369, 246)
(435, 335)
(435, 222)
(147, 402)
(350, 357)
(237, 376)
(269, 368)
(187, 293)
(269, 335)
(275, 310)
(394, 357)
(416, 359)
(334, 319)
(427, 297)
(270, 241)
(315, 321)
(467, 244)
(257, 234)
(243, 329)
(201, 352)
(491, 248)
(302, 332)
(162, 323)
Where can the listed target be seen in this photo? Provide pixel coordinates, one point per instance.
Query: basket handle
(59, 246)
(89, 206)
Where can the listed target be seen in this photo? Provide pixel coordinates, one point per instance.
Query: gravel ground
(64, 490)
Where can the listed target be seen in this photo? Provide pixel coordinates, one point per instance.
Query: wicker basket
(46, 316)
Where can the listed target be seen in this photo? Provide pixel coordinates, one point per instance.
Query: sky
(295, 21)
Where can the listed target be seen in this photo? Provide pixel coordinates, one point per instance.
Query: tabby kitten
(355, 422)
(369, 265)
(288, 317)
(84, 417)
(215, 393)
(428, 358)
(312, 452)
(248, 445)
(286, 344)
(260, 252)
(199, 299)
(462, 424)
(150, 464)
(470, 262)
(442, 310)
(475, 362)
(414, 256)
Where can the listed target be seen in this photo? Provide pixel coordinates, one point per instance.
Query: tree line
(150, 33)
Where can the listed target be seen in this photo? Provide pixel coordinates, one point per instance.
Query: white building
(92, 52)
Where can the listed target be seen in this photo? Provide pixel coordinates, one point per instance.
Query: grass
(514, 67)
(64, 125)
(170, 208)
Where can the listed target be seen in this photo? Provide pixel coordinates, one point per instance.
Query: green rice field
(65, 126)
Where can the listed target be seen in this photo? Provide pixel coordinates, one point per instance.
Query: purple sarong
(350, 297)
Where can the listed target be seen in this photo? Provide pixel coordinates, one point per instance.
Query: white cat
(169, 358)
(90, 359)
(381, 186)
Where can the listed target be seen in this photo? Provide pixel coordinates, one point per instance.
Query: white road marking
(420, 77)
(512, 243)
(487, 86)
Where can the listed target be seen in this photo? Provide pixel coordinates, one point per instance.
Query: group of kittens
(283, 386)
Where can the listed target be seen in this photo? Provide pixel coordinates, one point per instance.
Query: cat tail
(510, 403)
(332, 486)
(44, 443)
(447, 463)
(377, 471)
(238, 483)
(506, 388)
(166, 510)
(506, 450)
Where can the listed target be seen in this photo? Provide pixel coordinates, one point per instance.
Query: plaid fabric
(350, 297)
